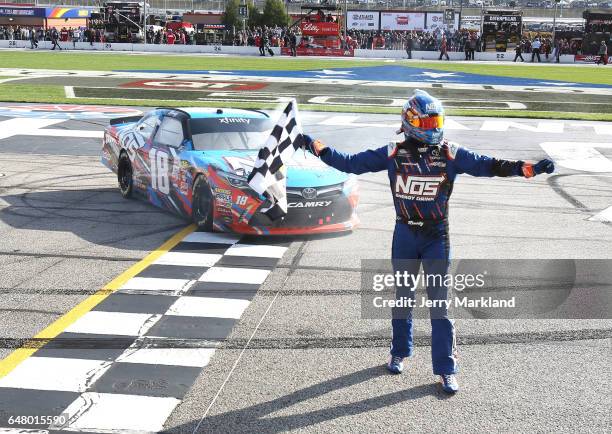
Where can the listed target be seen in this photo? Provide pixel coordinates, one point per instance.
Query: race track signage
(402, 20)
(304, 51)
(320, 29)
(435, 20)
(363, 20)
(502, 19)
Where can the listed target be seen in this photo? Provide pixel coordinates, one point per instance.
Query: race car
(195, 162)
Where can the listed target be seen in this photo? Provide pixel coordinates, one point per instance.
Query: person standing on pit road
(603, 53)
(262, 43)
(54, 39)
(519, 51)
(422, 170)
(293, 43)
(535, 49)
(33, 39)
(443, 51)
(473, 44)
(409, 46)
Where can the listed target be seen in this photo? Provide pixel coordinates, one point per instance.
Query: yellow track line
(58, 326)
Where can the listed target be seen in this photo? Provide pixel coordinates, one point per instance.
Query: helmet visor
(425, 123)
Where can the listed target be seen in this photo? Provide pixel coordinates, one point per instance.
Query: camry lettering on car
(317, 204)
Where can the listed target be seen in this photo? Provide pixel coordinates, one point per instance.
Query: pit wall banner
(435, 20)
(402, 21)
(333, 52)
(363, 20)
(254, 51)
(587, 58)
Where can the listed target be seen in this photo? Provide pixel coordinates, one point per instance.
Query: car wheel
(203, 204)
(124, 175)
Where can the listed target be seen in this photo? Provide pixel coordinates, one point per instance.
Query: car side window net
(170, 133)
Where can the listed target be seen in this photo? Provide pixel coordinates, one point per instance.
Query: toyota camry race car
(195, 162)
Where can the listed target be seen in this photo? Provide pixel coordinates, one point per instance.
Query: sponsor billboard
(435, 20)
(402, 20)
(22, 12)
(363, 20)
(320, 29)
(59, 12)
(502, 19)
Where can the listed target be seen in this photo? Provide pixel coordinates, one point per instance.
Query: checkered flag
(268, 177)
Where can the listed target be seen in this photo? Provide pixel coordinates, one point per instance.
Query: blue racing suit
(421, 179)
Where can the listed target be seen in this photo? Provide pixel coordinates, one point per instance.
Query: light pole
(145, 22)
(345, 19)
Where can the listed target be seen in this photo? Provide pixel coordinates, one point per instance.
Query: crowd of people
(80, 34)
(426, 40)
(536, 47)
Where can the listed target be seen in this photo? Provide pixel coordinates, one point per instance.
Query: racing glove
(543, 166)
(315, 147)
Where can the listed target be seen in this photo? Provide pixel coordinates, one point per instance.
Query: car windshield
(229, 133)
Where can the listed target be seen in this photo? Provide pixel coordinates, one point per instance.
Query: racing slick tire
(203, 204)
(124, 175)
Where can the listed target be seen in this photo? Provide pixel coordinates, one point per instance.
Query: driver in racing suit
(421, 172)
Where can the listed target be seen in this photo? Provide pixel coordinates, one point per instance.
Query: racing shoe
(396, 365)
(449, 383)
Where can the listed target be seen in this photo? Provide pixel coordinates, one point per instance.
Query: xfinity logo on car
(433, 106)
(309, 193)
(320, 204)
(235, 121)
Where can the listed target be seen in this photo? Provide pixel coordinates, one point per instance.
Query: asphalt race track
(291, 352)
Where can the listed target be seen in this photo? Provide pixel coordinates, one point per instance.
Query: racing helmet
(423, 118)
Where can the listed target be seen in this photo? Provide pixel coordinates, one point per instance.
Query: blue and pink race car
(195, 162)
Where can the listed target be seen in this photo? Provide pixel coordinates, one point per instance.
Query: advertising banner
(59, 12)
(363, 20)
(319, 29)
(435, 20)
(502, 19)
(402, 20)
(22, 12)
(587, 58)
(336, 52)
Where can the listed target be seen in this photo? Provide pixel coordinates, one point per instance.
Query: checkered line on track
(124, 365)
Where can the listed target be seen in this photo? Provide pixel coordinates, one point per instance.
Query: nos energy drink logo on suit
(422, 187)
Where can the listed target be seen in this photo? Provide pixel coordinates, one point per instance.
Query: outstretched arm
(474, 164)
(372, 160)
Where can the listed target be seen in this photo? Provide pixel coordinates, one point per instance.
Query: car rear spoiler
(125, 120)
